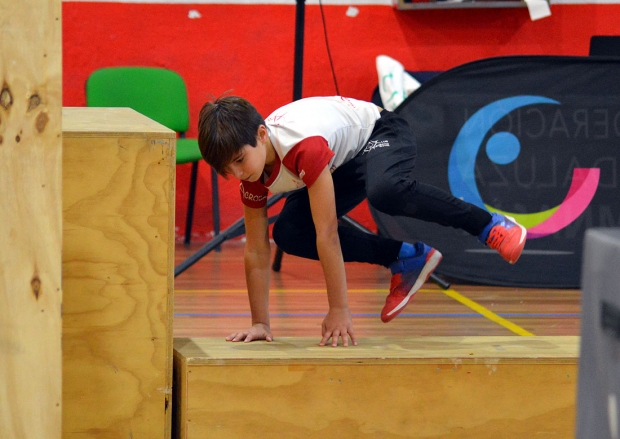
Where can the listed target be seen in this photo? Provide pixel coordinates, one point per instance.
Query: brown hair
(225, 126)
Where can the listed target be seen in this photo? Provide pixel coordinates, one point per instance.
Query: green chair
(161, 95)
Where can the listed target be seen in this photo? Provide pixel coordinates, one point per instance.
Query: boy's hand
(259, 331)
(337, 323)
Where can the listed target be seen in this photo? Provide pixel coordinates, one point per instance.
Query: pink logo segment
(580, 194)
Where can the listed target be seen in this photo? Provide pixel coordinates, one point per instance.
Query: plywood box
(423, 387)
(118, 273)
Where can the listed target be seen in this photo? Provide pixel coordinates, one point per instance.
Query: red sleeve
(308, 158)
(253, 194)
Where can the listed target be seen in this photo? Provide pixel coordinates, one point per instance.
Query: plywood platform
(457, 387)
(515, 385)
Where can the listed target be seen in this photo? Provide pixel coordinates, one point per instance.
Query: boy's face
(249, 163)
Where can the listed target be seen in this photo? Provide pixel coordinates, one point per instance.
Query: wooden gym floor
(210, 301)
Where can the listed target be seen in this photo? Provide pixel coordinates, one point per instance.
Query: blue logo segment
(502, 148)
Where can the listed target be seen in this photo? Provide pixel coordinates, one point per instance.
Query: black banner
(534, 137)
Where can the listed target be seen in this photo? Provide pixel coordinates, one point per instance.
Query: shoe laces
(496, 237)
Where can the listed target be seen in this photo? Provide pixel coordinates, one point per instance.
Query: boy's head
(225, 126)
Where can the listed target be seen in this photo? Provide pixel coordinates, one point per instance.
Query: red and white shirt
(308, 135)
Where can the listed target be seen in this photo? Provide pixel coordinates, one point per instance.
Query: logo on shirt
(275, 118)
(250, 196)
(374, 144)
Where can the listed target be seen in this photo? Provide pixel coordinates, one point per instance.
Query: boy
(334, 152)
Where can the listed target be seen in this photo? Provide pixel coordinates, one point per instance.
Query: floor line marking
(310, 290)
(487, 313)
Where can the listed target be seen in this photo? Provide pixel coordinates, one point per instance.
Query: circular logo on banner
(503, 148)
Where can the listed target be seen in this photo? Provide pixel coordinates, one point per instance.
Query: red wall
(248, 49)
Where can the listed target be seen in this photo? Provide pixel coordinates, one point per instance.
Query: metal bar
(443, 284)
(236, 229)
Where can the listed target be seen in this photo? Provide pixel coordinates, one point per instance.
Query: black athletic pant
(383, 173)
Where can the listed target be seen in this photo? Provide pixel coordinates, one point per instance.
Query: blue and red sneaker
(505, 235)
(408, 276)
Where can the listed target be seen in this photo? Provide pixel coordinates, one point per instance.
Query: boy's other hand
(337, 324)
(259, 331)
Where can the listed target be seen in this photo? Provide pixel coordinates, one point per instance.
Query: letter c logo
(503, 148)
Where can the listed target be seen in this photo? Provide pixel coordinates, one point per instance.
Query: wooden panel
(436, 350)
(440, 387)
(118, 251)
(30, 218)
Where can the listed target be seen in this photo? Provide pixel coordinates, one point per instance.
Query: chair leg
(215, 201)
(190, 204)
(277, 260)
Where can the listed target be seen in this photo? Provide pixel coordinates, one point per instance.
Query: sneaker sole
(432, 262)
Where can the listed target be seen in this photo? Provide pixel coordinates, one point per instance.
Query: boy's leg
(392, 189)
(411, 265)
(387, 164)
(391, 186)
(294, 230)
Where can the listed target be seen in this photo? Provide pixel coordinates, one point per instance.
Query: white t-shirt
(308, 135)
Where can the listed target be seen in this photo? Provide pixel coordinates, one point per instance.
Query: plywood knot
(6, 98)
(34, 102)
(41, 122)
(35, 284)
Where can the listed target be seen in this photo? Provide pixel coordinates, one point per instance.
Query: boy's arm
(337, 323)
(257, 273)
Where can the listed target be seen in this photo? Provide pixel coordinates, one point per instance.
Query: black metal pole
(236, 229)
(298, 71)
(298, 67)
(443, 284)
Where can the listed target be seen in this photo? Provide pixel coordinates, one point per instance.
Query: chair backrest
(155, 92)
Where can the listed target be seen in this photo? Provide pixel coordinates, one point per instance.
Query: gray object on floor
(598, 395)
